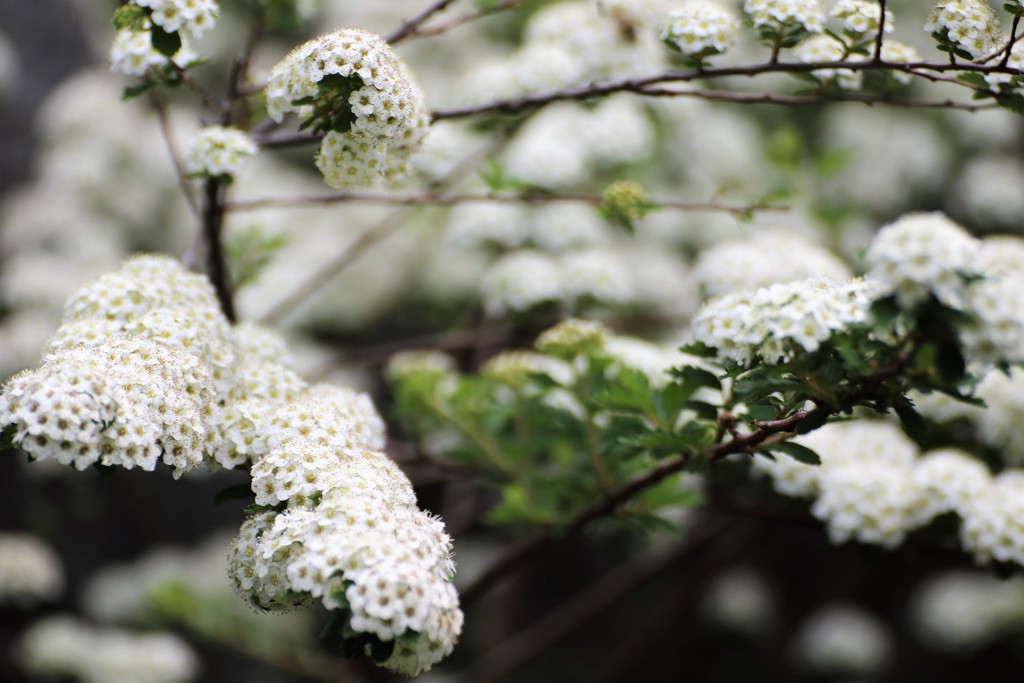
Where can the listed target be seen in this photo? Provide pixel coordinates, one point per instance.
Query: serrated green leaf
(701, 378)
(798, 452)
(704, 411)
(914, 424)
(700, 350)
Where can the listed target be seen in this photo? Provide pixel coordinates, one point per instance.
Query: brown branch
(638, 85)
(410, 27)
(439, 199)
(877, 58)
(213, 224)
(800, 100)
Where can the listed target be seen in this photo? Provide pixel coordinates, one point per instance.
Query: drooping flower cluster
(359, 544)
(351, 85)
(64, 646)
(29, 571)
(146, 367)
(861, 18)
(701, 28)
(177, 22)
(218, 151)
(786, 15)
(967, 25)
(773, 323)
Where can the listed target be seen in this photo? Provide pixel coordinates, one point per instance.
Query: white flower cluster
(842, 639)
(825, 48)
(132, 52)
(134, 373)
(962, 611)
(64, 646)
(387, 113)
(785, 16)
(523, 279)
(993, 521)
(217, 151)
(701, 28)
(872, 487)
(194, 16)
(861, 17)
(618, 130)
(922, 254)
(30, 571)
(997, 424)
(774, 322)
(762, 260)
(360, 544)
(969, 25)
(145, 367)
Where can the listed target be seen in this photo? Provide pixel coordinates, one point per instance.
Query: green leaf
(662, 441)
(701, 378)
(700, 350)
(705, 411)
(812, 420)
(133, 91)
(796, 451)
(7, 439)
(913, 423)
(409, 637)
(165, 43)
(129, 17)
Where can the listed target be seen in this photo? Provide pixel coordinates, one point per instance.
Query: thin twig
(441, 28)
(409, 28)
(639, 85)
(167, 131)
(367, 239)
(1011, 41)
(877, 58)
(438, 199)
(329, 270)
(801, 100)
